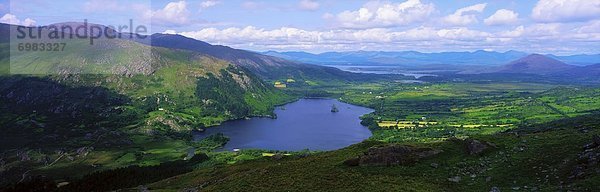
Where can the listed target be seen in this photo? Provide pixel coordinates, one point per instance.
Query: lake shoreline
(274, 116)
(306, 122)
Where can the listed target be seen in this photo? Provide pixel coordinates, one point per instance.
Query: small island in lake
(334, 109)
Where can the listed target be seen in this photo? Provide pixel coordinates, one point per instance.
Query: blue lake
(304, 124)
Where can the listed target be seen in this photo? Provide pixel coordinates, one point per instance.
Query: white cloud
(463, 34)
(174, 13)
(328, 16)
(566, 10)
(535, 38)
(544, 30)
(169, 31)
(591, 27)
(377, 14)
(296, 37)
(251, 5)
(588, 32)
(12, 19)
(308, 5)
(465, 16)
(419, 34)
(28, 22)
(103, 5)
(517, 32)
(502, 17)
(253, 34)
(209, 3)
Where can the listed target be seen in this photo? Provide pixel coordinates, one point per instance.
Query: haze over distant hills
(543, 67)
(485, 58)
(535, 64)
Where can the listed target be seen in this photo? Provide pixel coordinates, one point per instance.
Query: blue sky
(541, 26)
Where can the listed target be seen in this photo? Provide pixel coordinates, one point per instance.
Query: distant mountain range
(411, 58)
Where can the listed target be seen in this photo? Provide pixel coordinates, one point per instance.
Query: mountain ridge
(479, 57)
(268, 67)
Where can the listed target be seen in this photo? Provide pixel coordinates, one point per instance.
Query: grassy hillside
(105, 106)
(173, 83)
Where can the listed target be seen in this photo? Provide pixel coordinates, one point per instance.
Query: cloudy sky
(542, 26)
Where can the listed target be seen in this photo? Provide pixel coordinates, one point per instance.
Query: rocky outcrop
(167, 122)
(83, 151)
(455, 179)
(475, 147)
(588, 161)
(594, 144)
(392, 155)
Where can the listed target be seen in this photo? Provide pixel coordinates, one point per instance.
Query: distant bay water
(386, 70)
